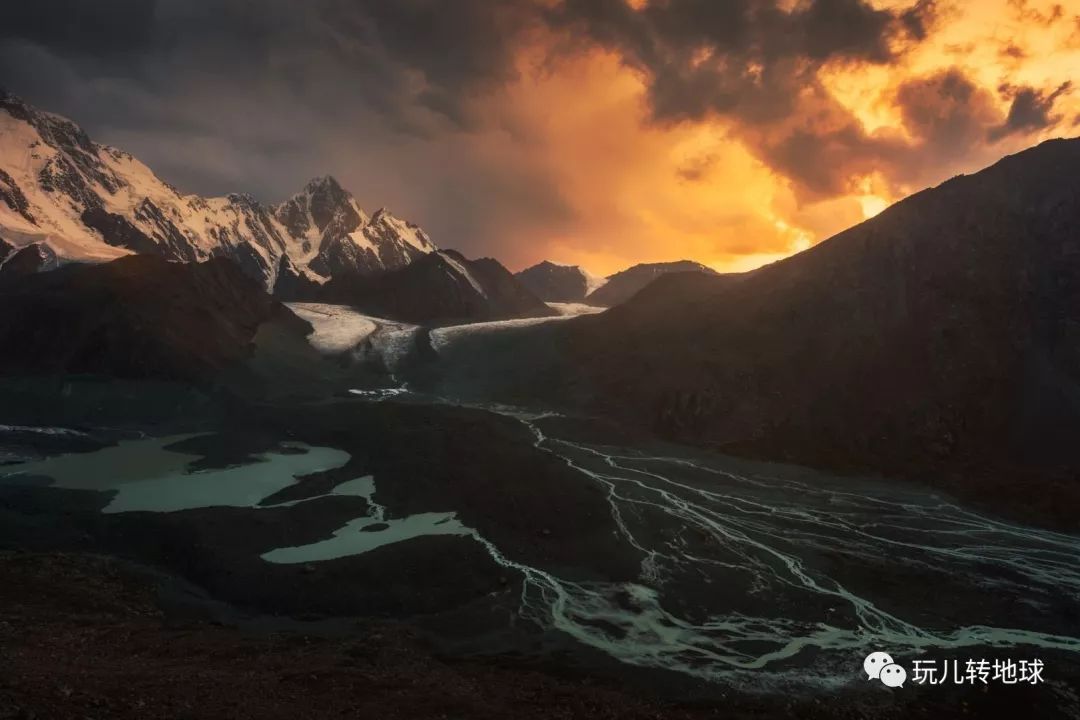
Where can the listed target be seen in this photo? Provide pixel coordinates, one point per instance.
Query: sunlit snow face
(873, 664)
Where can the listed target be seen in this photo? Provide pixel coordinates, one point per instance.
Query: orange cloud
(638, 192)
(720, 190)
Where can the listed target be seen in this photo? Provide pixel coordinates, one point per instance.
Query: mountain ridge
(623, 285)
(940, 339)
(442, 287)
(90, 202)
(140, 317)
(553, 282)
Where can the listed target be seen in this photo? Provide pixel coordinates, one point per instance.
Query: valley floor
(84, 636)
(410, 549)
(574, 571)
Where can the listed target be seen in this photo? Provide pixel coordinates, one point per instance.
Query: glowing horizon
(600, 134)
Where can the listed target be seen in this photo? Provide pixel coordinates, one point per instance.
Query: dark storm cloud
(947, 117)
(918, 19)
(740, 57)
(1031, 109)
(823, 161)
(946, 112)
(392, 55)
(223, 95)
(757, 64)
(251, 82)
(226, 95)
(108, 28)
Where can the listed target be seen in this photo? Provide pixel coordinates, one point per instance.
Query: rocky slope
(941, 336)
(558, 283)
(135, 317)
(112, 610)
(32, 258)
(90, 202)
(441, 288)
(622, 286)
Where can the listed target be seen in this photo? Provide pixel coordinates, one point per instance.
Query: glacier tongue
(88, 202)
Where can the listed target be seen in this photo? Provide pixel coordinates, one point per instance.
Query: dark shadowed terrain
(938, 340)
(136, 317)
(202, 515)
(623, 285)
(441, 288)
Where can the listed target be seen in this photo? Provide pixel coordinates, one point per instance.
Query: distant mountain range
(572, 284)
(940, 339)
(440, 288)
(65, 198)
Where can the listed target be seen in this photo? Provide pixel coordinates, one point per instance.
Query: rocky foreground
(85, 636)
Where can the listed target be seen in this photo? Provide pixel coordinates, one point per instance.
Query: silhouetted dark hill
(36, 257)
(557, 283)
(138, 316)
(941, 336)
(440, 288)
(622, 286)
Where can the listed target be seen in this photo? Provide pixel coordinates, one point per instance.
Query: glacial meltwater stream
(748, 568)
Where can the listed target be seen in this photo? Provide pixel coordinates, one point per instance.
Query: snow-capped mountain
(86, 202)
(331, 235)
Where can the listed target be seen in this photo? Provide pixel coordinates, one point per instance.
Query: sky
(594, 132)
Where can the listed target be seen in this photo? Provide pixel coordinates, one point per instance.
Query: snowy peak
(323, 184)
(333, 235)
(385, 224)
(88, 202)
(323, 201)
(326, 197)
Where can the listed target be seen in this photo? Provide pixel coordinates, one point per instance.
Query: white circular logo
(874, 663)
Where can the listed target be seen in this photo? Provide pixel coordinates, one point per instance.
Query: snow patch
(464, 272)
(338, 328)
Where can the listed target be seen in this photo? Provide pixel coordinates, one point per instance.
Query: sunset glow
(577, 131)
(643, 191)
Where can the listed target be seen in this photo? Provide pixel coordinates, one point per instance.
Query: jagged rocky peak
(87, 202)
(54, 129)
(353, 244)
(409, 232)
(327, 197)
(322, 201)
(244, 200)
